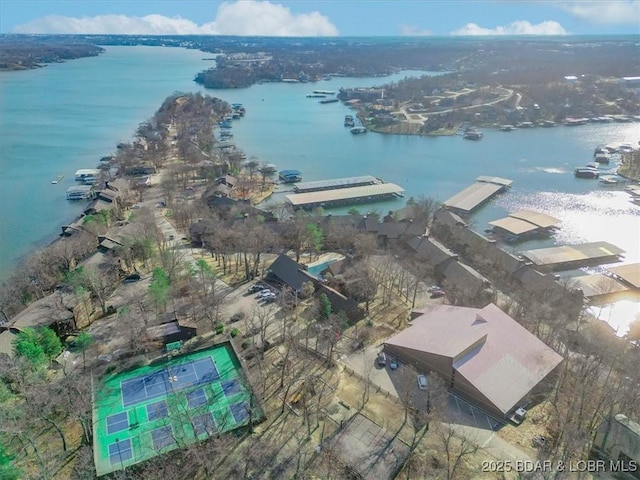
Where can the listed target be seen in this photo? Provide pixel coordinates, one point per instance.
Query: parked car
(265, 293)
(270, 298)
(433, 288)
(382, 359)
(134, 277)
(438, 293)
(393, 364)
(422, 382)
(255, 288)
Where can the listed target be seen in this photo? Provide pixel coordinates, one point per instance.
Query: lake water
(66, 116)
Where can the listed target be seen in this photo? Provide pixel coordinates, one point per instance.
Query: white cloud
(411, 30)
(519, 27)
(612, 12)
(246, 17)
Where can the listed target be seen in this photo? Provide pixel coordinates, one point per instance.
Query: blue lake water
(66, 116)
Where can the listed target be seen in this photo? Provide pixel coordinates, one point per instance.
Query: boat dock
(629, 274)
(80, 192)
(525, 224)
(568, 257)
(345, 196)
(336, 183)
(478, 193)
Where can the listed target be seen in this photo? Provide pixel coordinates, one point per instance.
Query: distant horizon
(322, 18)
(338, 37)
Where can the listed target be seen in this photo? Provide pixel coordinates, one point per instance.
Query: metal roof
(336, 183)
(472, 196)
(495, 354)
(629, 273)
(572, 253)
(299, 199)
(599, 284)
(514, 225)
(539, 219)
(505, 182)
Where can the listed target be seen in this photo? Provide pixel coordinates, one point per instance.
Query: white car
(265, 292)
(422, 382)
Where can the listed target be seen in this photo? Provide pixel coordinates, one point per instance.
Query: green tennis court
(151, 410)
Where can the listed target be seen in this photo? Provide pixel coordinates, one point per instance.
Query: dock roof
(472, 196)
(599, 284)
(539, 219)
(505, 182)
(514, 226)
(572, 253)
(629, 273)
(336, 183)
(352, 193)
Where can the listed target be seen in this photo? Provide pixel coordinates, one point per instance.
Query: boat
(609, 180)
(57, 179)
(586, 172)
(348, 121)
(508, 128)
(329, 100)
(473, 135)
(316, 95)
(290, 176)
(547, 123)
(602, 157)
(358, 130)
(324, 92)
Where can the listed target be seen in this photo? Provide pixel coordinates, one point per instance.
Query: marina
(478, 193)
(345, 196)
(567, 257)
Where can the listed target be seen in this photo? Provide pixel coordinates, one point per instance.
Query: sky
(322, 17)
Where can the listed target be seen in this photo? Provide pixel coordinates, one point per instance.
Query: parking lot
(402, 383)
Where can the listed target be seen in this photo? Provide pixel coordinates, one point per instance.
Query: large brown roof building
(483, 353)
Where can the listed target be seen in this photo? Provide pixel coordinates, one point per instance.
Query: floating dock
(345, 196)
(524, 224)
(475, 195)
(336, 183)
(567, 257)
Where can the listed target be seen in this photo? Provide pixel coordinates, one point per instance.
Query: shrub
(219, 328)
(234, 332)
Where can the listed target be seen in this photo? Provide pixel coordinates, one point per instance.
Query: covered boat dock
(478, 193)
(345, 196)
(336, 183)
(567, 257)
(525, 224)
(599, 287)
(629, 274)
